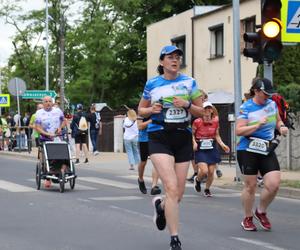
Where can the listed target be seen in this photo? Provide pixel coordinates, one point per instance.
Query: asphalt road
(106, 211)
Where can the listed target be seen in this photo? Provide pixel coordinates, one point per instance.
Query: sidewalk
(226, 181)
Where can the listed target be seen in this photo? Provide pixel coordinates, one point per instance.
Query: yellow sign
(4, 100)
(290, 16)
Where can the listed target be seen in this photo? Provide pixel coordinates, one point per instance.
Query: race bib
(258, 146)
(205, 144)
(175, 115)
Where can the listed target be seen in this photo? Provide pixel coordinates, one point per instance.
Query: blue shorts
(208, 156)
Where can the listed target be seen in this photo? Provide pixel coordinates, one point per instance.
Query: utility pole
(47, 47)
(62, 61)
(237, 71)
(0, 92)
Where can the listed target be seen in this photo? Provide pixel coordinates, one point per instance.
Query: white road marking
(135, 177)
(132, 212)
(292, 200)
(13, 187)
(116, 198)
(77, 186)
(83, 187)
(259, 243)
(227, 195)
(108, 182)
(83, 200)
(191, 196)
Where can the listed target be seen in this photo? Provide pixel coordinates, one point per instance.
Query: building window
(217, 41)
(180, 43)
(247, 25)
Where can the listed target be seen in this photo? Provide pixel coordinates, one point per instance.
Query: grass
(290, 183)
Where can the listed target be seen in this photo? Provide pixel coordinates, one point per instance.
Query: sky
(7, 30)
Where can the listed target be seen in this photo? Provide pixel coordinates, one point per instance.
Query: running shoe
(77, 161)
(260, 181)
(207, 192)
(263, 220)
(219, 173)
(248, 225)
(142, 186)
(197, 184)
(86, 160)
(155, 190)
(159, 218)
(175, 245)
(191, 179)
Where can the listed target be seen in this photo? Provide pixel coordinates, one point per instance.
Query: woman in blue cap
(169, 99)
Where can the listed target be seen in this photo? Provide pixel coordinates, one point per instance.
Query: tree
(91, 43)
(286, 76)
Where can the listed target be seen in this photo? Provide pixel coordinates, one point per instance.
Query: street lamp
(47, 47)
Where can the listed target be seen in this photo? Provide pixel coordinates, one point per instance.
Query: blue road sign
(4, 100)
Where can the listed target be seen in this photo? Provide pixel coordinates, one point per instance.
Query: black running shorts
(250, 163)
(144, 150)
(81, 138)
(177, 143)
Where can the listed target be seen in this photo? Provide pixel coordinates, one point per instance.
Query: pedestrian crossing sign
(290, 16)
(4, 100)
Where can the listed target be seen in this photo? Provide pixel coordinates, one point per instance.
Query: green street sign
(38, 94)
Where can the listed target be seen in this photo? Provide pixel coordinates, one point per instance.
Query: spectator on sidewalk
(20, 132)
(131, 133)
(32, 125)
(94, 119)
(79, 129)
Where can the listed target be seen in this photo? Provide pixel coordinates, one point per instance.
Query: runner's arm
(221, 143)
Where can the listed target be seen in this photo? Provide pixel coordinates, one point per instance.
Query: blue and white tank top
(253, 113)
(161, 90)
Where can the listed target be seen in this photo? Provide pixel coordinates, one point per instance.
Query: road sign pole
(268, 71)
(18, 100)
(237, 72)
(47, 46)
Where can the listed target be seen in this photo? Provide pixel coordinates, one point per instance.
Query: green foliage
(105, 49)
(291, 92)
(286, 75)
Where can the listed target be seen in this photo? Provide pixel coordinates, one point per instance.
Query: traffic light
(254, 51)
(271, 26)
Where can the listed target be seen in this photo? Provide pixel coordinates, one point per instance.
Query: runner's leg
(271, 186)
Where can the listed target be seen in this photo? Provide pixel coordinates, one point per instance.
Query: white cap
(207, 104)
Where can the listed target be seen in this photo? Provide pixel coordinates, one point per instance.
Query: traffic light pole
(268, 71)
(237, 73)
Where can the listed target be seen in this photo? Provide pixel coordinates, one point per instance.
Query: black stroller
(51, 154)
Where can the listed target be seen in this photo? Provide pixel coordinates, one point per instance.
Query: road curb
(286, 192)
